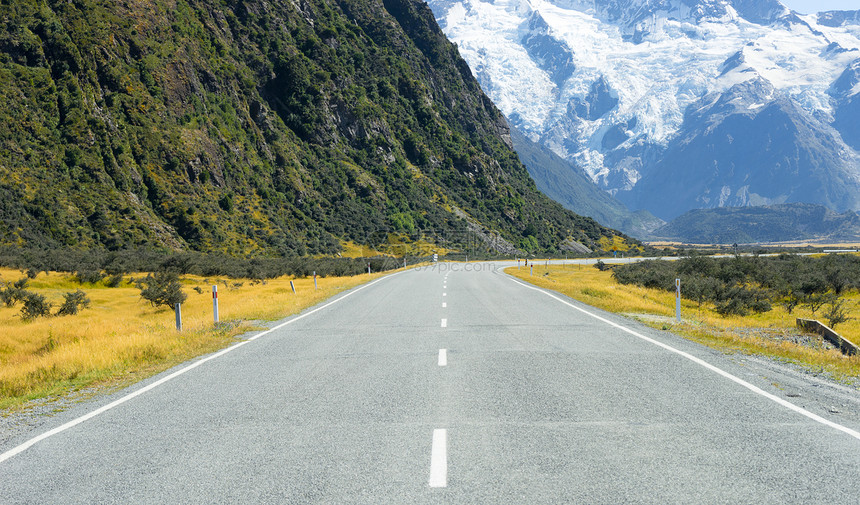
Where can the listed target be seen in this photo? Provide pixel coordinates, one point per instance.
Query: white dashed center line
(444, 294)
(439, 459)
(444, 305)
(444, 323)
(443, 357)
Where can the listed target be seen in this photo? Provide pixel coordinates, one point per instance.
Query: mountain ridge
(663, 60)
(255, 128)
(769, 223)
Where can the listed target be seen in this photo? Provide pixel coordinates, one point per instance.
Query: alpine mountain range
(674, 105)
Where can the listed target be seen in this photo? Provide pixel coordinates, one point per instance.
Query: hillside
(772, 223)
(254, 128)
(568, 184)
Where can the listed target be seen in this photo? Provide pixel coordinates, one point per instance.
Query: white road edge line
(59, 429)
(443, 357)
(444, 323)
(439, 459)
(705, 364)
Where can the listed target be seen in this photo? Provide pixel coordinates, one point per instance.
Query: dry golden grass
(121, 338)
(396, 245)
(701, 324)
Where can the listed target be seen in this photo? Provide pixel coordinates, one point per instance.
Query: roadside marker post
(178, 311)
(678, 299)
(532, 269)
(215, 301)
(368, 268)
(293, 287)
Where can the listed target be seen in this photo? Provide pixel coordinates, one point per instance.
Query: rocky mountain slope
(254, 127)
(570, 186)
(672, 105)
(769, 223)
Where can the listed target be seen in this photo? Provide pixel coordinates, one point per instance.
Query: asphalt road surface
(454, 384)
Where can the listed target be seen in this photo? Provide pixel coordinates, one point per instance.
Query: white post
(293, 287)
(678, 299)
(315, 280)
(532, 269)
(215, 301)
(178, 311)
(368, 268)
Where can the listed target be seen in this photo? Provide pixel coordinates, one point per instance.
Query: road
(454, 384)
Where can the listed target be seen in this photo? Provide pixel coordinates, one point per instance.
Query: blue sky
(812, 6)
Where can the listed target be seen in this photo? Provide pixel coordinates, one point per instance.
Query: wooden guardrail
(814, 326)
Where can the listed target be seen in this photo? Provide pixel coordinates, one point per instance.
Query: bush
(163, 288)
(7, 296)
(73, 303)
(35, 305)
(732, 306)
(114, 281)
(88, 276)
(835, 312)
(14, 293)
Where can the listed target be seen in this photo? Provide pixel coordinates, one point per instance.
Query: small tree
(114, 281)
(35, 305)
(88, 276)
(14, 293)
(600, 265)
(163, 288)
(835, 312)
(73, 303)
(815, 301)
(790, 300)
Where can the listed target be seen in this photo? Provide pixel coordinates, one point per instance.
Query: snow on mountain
(607, 84)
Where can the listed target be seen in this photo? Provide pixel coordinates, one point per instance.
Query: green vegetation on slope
(252, 127)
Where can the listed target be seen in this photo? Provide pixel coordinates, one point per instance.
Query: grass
(749, 334)
(120, 338)
(395, 245)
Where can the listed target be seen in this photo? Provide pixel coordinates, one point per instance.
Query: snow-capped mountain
(677, 104)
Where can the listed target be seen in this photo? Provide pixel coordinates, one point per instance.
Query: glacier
(651, 60)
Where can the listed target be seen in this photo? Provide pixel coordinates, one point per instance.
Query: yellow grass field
(751, 334)
(121, 338)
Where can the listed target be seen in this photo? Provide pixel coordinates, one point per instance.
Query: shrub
(732, 306)
(7, 296)
(73, 303)
(815, 301)
(114, 281)
(14, 293)
(88, 276)
(35, 305)
(835, 312)
(163, 288)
